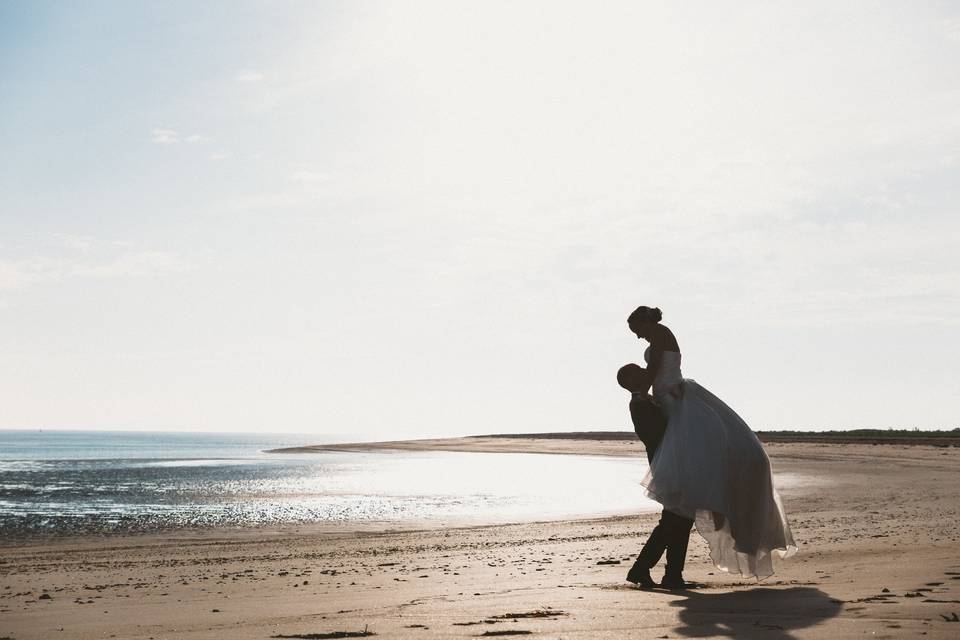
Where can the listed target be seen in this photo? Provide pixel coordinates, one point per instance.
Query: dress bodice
(669, 375)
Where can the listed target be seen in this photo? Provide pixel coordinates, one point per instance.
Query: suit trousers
(671, 534)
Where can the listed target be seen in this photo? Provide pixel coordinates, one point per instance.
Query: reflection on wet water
(135, 494)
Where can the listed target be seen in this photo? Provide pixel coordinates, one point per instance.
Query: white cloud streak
(22, 274)
(164, 136)
(309, 177)
(249, 77)
(167, 136)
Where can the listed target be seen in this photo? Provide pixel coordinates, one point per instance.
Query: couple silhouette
(707, 468)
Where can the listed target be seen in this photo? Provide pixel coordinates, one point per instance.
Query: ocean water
(55, 483)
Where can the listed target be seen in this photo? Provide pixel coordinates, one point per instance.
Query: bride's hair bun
(646, 314)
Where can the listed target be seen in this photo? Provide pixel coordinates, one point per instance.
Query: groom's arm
(648, 422)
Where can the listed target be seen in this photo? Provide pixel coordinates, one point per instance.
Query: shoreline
(603, 443)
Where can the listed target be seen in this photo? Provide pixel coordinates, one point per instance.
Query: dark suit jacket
(649, 423)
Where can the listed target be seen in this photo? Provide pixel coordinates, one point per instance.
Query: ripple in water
(88, 496)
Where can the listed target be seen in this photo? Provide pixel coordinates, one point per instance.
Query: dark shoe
(674, 583)
(641, 576)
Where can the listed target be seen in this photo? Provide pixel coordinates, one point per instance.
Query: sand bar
(877, 525)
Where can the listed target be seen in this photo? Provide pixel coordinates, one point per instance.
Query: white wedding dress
(711, 468)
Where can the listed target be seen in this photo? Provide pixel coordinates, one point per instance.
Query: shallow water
(54, 483)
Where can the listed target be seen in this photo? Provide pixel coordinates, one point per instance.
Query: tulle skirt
(711, 468)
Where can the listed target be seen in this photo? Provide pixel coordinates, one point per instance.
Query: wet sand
(879, 557)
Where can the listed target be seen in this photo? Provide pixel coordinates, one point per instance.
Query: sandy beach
(877, 527)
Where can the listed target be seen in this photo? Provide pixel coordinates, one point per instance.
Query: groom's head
(633, 377)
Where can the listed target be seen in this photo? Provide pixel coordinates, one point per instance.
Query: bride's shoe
(641, 576)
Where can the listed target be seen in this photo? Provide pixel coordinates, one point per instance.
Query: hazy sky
(409, 218)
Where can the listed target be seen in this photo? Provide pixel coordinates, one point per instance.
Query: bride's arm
(653, 364)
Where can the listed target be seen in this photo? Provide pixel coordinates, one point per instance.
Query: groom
(673, 531)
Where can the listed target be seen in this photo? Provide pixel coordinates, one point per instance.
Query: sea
(65, 483)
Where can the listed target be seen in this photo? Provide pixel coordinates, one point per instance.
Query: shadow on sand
(762, 612)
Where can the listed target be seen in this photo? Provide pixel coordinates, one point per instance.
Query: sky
(371, 220)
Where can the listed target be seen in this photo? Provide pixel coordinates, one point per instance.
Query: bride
(710, 467)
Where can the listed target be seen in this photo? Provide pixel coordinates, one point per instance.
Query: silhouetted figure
(672, 534)
(710, 467)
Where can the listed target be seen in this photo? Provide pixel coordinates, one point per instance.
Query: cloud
(309, 177)
(262, 202)
(13, 275)
(22, 273)
(139, 263)
(164, 136)
(217, 157)
(74, 242)
(249, 77)
(952, 26)
(172, 136)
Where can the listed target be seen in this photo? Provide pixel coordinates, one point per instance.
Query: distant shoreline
(624, 442)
